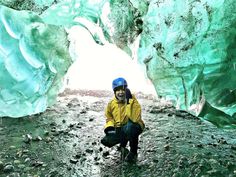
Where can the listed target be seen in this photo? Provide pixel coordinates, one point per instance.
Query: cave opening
(95, 65)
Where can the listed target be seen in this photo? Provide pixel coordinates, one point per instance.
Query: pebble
(73, 161)
(105, 154)
(233, 147)
(89, 151)
(53, 124)
(53, 173)
(48, 139)
(167, 147)
(16, 162)
(27, 138)
(1, 165)
(8, 168)
(199, 145)
(12, 147)
(21, 166)
(83, 112)
(71, 125)
(46, 133)
(38, 138)
(37, 163)
(14, 175)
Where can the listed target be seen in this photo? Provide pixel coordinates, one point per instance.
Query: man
(123, 121)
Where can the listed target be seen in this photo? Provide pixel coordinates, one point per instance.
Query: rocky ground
(65, 141)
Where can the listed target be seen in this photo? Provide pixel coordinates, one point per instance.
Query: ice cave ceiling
(188, 47)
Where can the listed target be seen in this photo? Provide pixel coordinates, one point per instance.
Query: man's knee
(109, 141)
(133, 129)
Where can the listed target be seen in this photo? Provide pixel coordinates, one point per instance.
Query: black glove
(110, 130)
(128, 95)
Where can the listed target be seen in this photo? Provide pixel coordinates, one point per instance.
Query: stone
(73, 161)
(1, 165)
(27, 138)
(8, 168)
(167, 147)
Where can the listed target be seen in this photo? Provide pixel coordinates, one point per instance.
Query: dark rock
(89, 151)
(167, 147)
(27, 138)
(38, 138)
(55, 133)
(69, 105)
(71, 125)
(83, 111)
(73, 161)
(147, 128)
(53, 173)
(199, 145)
(77, 156)
(53, 124)
(105, 154)
(222, 141)
(96, 158)
(233, 147)
(63, 121)
(36, 163)
(78, 126)
(155, 160)
(8, 168)
(91, 119)
(46, 133)
(214, 144)
(1, 165)
(14, 175)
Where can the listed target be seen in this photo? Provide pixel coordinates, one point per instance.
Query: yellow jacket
(117, 114)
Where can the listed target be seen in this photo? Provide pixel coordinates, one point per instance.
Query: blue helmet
(119, 82)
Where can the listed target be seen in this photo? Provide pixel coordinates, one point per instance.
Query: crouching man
(123, 121)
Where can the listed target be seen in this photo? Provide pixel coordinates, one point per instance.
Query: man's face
(120, 94)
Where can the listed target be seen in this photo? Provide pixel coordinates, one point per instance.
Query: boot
(131, 157)
(123, 153)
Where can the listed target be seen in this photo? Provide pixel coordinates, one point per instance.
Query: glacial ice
(33, 59)
(188, 47)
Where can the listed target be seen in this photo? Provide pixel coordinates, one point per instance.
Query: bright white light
(96, 66)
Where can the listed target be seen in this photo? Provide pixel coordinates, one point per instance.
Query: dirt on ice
(65, 141)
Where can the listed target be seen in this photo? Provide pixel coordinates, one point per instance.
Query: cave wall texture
(188, 47)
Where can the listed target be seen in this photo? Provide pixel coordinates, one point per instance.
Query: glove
(110, 131)
(128, 95)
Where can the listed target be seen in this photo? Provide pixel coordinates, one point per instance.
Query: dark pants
(128, 132)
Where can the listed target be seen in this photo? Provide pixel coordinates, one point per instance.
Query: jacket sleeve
(133, 112)
(109, 117)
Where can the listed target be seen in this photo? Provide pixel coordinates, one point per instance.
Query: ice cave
(188, 48)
